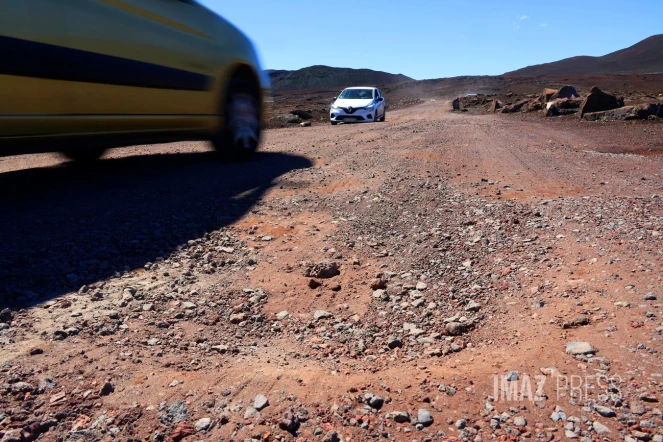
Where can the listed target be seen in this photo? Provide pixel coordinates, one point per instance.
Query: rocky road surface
(438, 276)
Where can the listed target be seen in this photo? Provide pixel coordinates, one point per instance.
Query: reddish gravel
(155, 294)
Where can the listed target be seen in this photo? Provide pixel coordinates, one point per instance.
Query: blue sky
(438, 38)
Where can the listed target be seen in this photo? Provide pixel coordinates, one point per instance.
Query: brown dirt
(565, 211)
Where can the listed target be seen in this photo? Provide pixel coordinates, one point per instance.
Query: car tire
(84, 155)
(240, 136)
(334, 123)
(384, 116)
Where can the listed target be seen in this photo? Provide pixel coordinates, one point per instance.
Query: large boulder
(520, 106)
(598, 101)
(640, 112)
(548, 93)
(496, 105)
(563, 106)
(456, 104)
(565, 92)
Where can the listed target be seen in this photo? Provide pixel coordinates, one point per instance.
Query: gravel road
(438, 276)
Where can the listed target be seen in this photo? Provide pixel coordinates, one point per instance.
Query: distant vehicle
(358, 105)
(83, 76)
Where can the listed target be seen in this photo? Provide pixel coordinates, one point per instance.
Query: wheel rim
(244, 121)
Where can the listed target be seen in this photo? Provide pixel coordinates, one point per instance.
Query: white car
(358, 105)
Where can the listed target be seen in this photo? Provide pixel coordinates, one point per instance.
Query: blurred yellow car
(80, 76)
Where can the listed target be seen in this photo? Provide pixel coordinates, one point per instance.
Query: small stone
(332, 436)
(237, 318)
(461, 423)
(187, 305)
(202, 424)
(6, 315)
(600, 428)
(148, 307)
(182, 430)
(395, 343)
(36, 351)
(250, 412)
(424, 418)
(260, 402)
(106, 389)
(321, 314)
(400, 416)
(519, 421)
(178, 412)
(282, 315)
(314, 283)
(579, 348)
(289, 422)
(512, 376)
(473, 306)
(375, 402)
(455, 328)
(421, 286)
(650, 297)
(604, 411)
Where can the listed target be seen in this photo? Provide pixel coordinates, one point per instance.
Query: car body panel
(75, 68)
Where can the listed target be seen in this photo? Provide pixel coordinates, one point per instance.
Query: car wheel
(384, 115)
(334, 123)
(240, 136)
(84, 155)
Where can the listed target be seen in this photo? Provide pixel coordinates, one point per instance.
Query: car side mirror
(334, 99)
(381, 99)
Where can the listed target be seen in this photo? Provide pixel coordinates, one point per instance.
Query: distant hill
(645, 57)
(325, 77)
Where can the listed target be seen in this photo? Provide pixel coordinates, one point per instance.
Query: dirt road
(425, 278)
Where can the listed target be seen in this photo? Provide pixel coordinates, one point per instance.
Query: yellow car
(80, 76)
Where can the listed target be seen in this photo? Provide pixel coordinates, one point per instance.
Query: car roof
(361, 87)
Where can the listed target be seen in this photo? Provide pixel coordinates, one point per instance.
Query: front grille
(350, 111)
(357, 118)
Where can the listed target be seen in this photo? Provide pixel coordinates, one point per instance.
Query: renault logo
(350, 108)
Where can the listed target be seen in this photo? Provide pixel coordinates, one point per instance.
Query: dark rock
(395, 343)
(401, 416)
(106, 389)
(565, 92)
(627, 113)
(314, 283)
(304, 115)
(455, 328)
(36, 351)
(289, 422)
(598, 101)
(6, 315)
(456, 104)
(332, 436)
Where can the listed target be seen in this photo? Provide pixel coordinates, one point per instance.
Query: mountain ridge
(644, 57)
(325, 77)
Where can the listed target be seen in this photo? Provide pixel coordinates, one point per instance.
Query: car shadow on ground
(66, 226)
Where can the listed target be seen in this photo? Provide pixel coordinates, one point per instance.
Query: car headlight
(369, 107)
(333, 107)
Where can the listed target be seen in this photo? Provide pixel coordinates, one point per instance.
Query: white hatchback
(358, 105)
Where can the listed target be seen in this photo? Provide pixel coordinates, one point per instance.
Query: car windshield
(356, 94)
